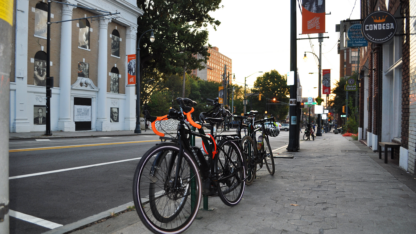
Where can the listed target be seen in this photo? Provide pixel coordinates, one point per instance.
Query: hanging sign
(379, 27)
(351, 84)
(355, 37)
(326, 81)
(313, 16)
(319, 109)
(131, 69)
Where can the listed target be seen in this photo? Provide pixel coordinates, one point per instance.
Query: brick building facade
(386, 87)
(88, 62)
(214, 68)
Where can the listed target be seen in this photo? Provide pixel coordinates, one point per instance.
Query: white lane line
(34, 220)
(104, 137)
(71, 169)
(42, 140)
(280, 148)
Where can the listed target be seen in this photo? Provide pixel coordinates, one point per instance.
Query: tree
(178, 35)
(271, 85)
(340, 98)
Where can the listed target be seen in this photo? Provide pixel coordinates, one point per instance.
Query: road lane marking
(34, 220)
(42, 140)
(78, 146)
(71, 169)
(280, 148)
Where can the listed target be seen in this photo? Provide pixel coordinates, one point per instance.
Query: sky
(255, 35)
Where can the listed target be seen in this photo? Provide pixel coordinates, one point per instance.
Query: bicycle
(308, 133)
(172, 176)
(264, 154)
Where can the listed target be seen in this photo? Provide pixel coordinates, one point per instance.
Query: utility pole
(232, 103)
(6, 36)
(293, 131)
(244, 100)
(319, 132)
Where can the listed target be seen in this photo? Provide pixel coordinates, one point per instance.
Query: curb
(89, 220)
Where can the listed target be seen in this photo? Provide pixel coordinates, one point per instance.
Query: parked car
(285, 126)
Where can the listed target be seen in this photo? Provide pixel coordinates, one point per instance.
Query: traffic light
(343, 109)
(302, 105)
(260, 97)
(235, 109)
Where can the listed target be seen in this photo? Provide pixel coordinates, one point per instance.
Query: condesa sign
(379, 27)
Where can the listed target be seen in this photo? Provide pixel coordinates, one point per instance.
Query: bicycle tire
(268, 158)
(159, 210)
(249, 156)
(230, 172)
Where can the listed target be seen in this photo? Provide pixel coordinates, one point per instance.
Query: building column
(65, 122)
(21, 121)
(130, 104)
(103, 123)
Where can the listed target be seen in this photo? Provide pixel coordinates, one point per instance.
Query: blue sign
(355, 37)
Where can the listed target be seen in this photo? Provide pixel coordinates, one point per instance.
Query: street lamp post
(319, 132)
(245, 85)
(152, 39)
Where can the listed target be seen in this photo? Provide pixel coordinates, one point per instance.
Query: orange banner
(131, 69)
(313, 16)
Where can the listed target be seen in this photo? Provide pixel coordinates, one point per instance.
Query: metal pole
(48, 72)
(6, 43)
(356, 88)
(346, 112)
(138, 130)
(232, 104)
(319, 132)
(244, 100)
(293, 142)
(183, 83)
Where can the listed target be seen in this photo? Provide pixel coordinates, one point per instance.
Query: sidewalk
(333, 185)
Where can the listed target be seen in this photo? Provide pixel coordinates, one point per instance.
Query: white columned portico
(65, 122)
(103, 123)
(130, 108)
(21, 122)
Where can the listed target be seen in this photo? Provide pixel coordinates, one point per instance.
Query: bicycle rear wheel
(268, 157)
(230, 171)
(164, 203)
(250, 152)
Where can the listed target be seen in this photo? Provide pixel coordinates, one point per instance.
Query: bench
(387, 145)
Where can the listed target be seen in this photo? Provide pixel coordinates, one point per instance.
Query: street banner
(131, 69)
(326, 81)
(313, 16)
(220, 94)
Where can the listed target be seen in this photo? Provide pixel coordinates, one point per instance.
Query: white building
(88, 63)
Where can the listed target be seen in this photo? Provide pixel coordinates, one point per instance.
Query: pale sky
(255, 35)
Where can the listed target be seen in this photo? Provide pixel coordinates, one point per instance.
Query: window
(115, 43)
(40, 69)
(114, 79)
(41, 19)
(84, 34)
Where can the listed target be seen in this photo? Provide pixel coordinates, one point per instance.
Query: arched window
(84, 34)
(41, 19)
(40, 69)
(114, 80)
(115, 43)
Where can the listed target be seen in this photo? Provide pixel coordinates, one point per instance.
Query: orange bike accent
(190, 120)
(215, 146)
(165, 117)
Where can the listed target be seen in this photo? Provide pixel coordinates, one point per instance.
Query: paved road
(59, 181)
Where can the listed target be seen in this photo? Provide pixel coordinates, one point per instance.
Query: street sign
(319, 109)
(343, 116)
(310, 99)
(290, 78)
(355, 37)
(351, 84)
(310, 103)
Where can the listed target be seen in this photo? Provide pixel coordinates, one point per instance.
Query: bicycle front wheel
(250, 152)
(167, 189)
(268, 157)
(230, 172)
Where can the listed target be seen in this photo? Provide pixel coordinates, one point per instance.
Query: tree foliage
(340, 98)
(178, 35)
(271, 85)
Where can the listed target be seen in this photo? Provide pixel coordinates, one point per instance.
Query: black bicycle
(171, 177)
